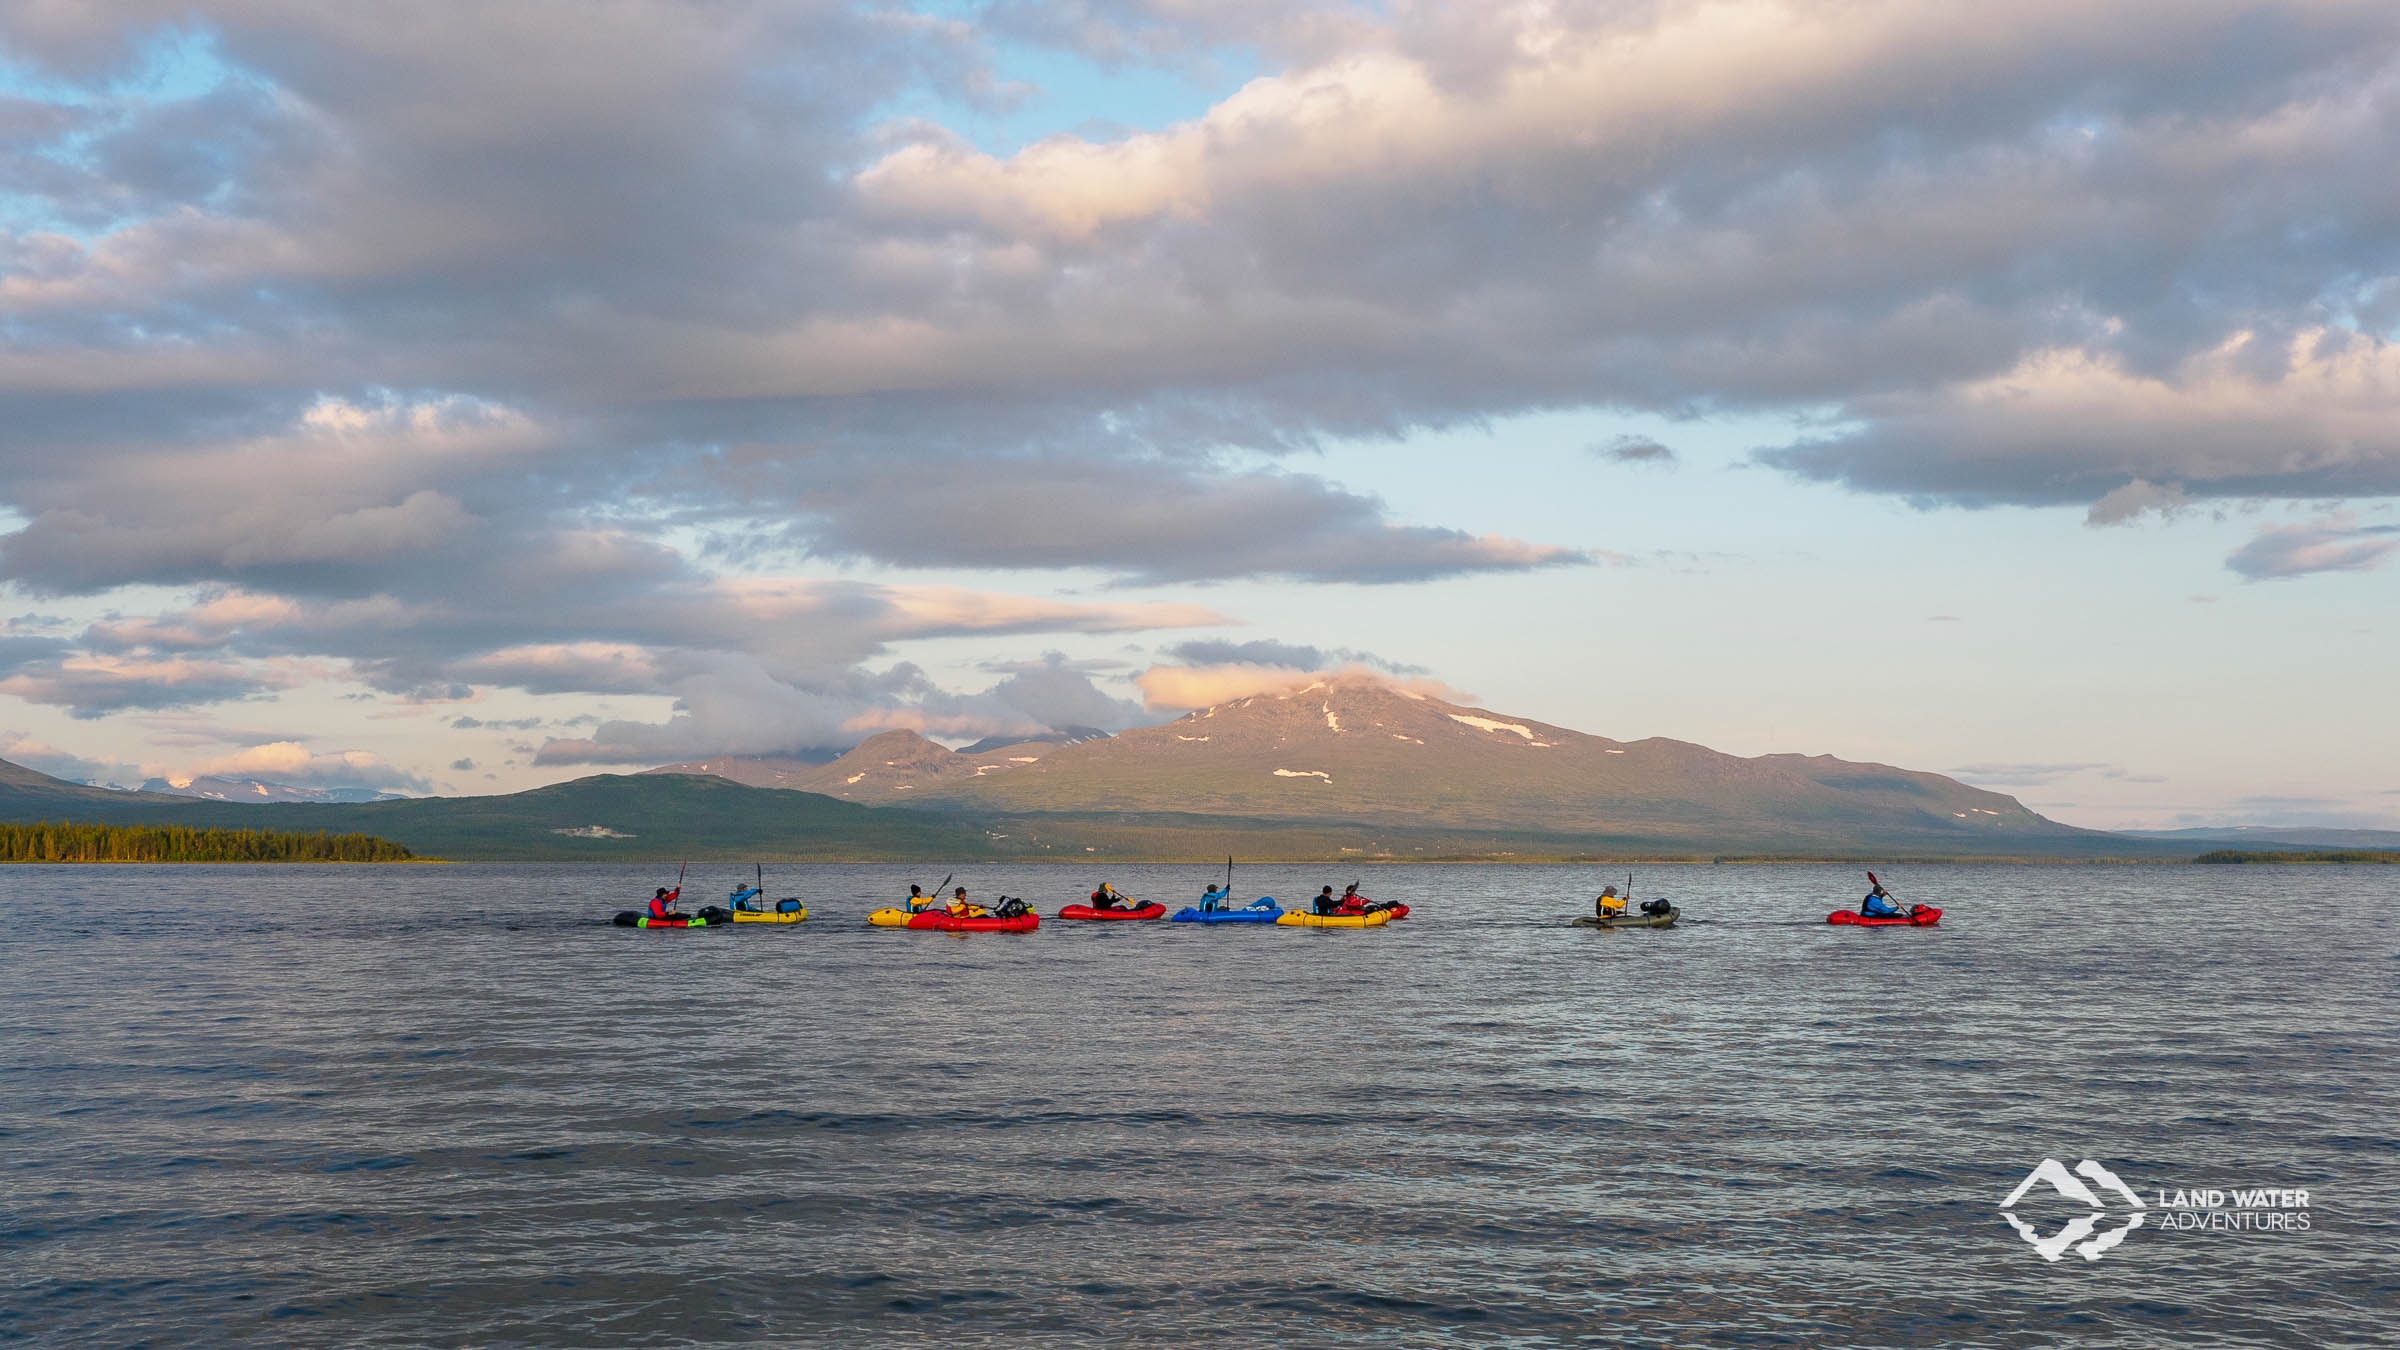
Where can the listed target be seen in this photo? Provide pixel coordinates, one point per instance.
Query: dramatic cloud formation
(580, 350)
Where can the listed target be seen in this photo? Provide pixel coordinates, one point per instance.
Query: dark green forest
(63, 842)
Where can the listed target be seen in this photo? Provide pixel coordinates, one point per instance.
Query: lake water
(452, 1106)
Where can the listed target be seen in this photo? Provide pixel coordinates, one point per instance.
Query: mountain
(607, 817)
(1343, 768)
(1361, 752)
(220, 789)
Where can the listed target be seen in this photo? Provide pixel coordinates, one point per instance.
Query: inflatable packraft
(707, 916)
(1262, 910)
(976, 920)
(1371, 919)
(1637, 919)
(1153, 910)
(1918, 916)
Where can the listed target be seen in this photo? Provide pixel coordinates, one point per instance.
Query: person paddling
(1105, 898)
(959, 908)
(917, 899)
(1325, 903)
(1213, 899)
(1879, 903)
(1609, 904)
(662, 905)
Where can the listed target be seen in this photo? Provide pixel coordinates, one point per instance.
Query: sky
(456, 397)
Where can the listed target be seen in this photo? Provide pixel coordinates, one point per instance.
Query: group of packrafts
(956, 913)
(1877, 910)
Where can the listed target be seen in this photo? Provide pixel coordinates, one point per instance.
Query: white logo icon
(2077, 1235)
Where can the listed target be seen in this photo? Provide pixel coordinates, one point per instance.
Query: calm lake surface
(452, 1106)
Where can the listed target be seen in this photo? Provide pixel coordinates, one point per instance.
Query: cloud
(1267, 652)
(92, 685)
(2043, 775)
(735, 706)
(2132, 500)
(1144, 519)
(479, 724)
(1057, 696)
(2333, 543)
(2313, 416)
(347, 487)
(292, 763)
(1261, 652)
(1632, 449)
(18, 747)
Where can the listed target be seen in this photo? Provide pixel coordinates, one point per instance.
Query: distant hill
(1362, 753)
(605, 817)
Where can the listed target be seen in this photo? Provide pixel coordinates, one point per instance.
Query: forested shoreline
(71, 843)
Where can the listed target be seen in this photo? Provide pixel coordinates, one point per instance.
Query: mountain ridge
(1364, 752)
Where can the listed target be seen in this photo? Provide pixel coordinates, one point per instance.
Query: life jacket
(1612, 904)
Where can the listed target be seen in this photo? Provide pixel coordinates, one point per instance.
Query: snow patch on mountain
(1487, 724)
(1304, 773)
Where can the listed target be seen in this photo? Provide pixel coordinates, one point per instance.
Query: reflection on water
(452, 1106)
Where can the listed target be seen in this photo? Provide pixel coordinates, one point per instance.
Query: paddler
(662, 905)
(917, 899)
(960, 909)
(1105, 898)
(1609, 904)
(1325, 903)
(1213, 899)
(1879, 904)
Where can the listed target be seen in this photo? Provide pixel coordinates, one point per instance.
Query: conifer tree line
(64, 842)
